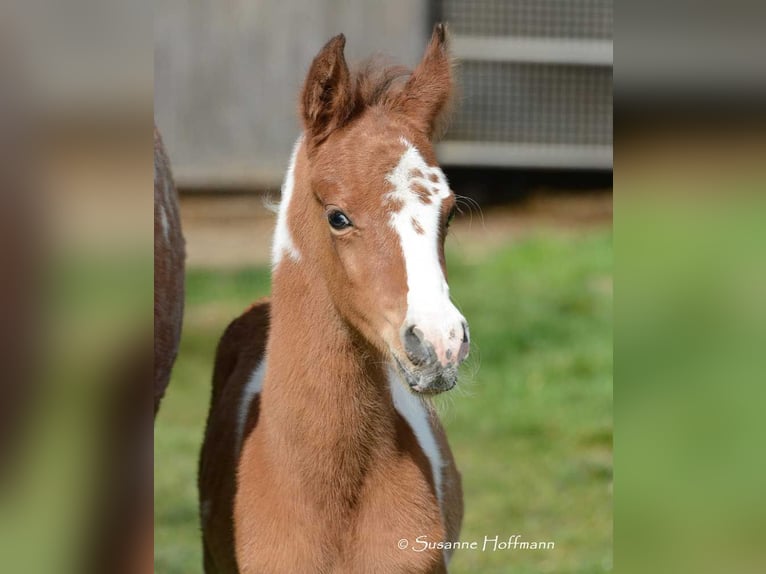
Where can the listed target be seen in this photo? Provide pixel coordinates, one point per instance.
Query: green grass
(531, 425)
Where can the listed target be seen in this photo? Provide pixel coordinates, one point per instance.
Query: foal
(321, 452)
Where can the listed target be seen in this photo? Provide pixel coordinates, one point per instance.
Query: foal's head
(366, 206)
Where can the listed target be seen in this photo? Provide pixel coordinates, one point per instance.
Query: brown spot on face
(418, 228)
(423, 193)
(433, 178)
(415, 173)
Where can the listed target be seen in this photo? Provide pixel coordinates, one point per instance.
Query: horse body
(321, 453)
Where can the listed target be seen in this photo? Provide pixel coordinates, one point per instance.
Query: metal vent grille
(591, 19)
(533, 103)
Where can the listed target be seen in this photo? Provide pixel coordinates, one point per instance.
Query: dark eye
(338, 220)
(451, 215)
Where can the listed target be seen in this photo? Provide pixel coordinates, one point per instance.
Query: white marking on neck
(283, 241)
(251, 388)
(415, 412)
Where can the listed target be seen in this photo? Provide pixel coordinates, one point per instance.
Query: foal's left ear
(426, 96)
(327, 98)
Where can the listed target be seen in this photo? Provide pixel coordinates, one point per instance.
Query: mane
(332, 94)
(377, 82)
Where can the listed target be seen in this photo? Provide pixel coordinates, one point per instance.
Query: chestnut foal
(321, 451)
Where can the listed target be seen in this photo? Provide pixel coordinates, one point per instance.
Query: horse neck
(326, 404)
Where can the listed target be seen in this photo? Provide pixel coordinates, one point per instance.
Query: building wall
(227, 76)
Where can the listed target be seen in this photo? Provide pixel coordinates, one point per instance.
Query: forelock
(377, 83)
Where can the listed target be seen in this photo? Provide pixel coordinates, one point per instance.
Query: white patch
(167, 201)
(251, 388)
(414, 411)
(164, 223)
(283, 241)
(428, 303)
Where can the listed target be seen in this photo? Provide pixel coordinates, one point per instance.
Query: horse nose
(448, 349)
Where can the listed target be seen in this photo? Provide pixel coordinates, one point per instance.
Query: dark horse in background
(122, 540)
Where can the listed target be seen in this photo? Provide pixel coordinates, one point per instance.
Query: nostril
(415, 346)
(412, 336)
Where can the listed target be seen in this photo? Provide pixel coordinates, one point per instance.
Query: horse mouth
(430, 380)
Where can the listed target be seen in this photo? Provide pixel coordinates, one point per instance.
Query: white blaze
(418, 225)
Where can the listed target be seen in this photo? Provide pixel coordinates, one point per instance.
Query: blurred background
(532, 425)
(530, 256)
(535, 78)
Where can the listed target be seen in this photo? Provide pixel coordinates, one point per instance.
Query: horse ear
(427, 94)
(326, 100)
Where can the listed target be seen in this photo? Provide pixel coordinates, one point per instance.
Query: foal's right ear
(327, 98)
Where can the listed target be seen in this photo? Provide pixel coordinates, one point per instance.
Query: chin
(426, 380)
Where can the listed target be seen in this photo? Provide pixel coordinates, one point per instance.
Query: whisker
(471, 204)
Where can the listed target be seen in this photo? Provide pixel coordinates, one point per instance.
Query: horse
(169, 258)
(322, 451)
